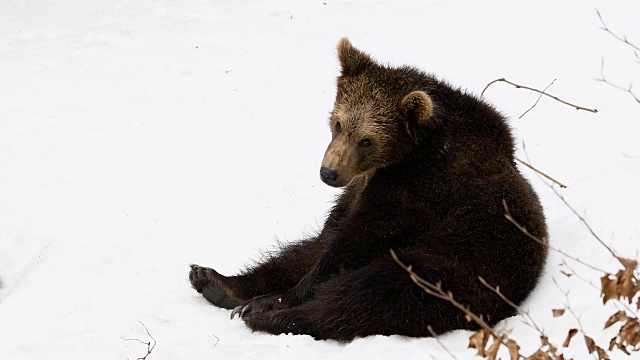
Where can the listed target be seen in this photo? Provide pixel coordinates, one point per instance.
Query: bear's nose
(327, 175)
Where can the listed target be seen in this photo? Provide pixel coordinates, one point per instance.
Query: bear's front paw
(201, 276)
(212, 286)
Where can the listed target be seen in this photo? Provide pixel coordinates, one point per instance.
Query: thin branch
(568, 305)
(580, 277)
(599, 290)
(628, 90)
(544, 242)
(538, 100)
(622, 38)
(435, 336)
(584, 222)
(539, 92)
(150, 346)
(525, 314)
(541, 173)
(437, 291)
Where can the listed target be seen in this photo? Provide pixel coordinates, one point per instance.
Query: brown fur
(429, 184)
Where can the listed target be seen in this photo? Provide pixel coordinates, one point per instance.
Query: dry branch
(544, 242)
(435, 336)
(584, 222)
(628, 89)
(537, 101)
(481, 337)
(541, 173)
(528, 320)
(577, 107)
(437, 291)
(622, 38)
(150, 345)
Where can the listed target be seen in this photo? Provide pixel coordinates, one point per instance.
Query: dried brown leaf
(558, 312)
(539, 355)
(602, 355)
(492, 351)
(629, 264)
(619, 316)
(479, 340)
(609, 289)
(630, 333)
(544, 340)
(570, 334)
(622, 285)
(591, 345)
(514, 349)
(627, 284)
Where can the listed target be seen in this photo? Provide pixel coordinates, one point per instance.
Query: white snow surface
(138, 137)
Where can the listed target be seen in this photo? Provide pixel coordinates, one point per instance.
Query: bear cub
(425, 169)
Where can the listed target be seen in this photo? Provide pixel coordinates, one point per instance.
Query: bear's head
(375, 117)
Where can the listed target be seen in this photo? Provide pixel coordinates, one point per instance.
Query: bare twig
(568, 305)
(622, 38)
(541, 173)
(580, 277)
(584, 222)
(592, 347)
(599, 290)
(150, 345)
(544, 242)
(525, 314)
(538, 100)
(539, 92)
(628, 89)
(435, 336)
(573, 272)
(437, 291)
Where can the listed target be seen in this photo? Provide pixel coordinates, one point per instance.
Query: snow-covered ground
(137, 137)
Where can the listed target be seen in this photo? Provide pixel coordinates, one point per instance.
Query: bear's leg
(379, 298)
(277, 273)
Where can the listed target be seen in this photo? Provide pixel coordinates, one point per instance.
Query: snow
(137, 137)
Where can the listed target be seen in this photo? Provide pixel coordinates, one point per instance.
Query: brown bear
(425, 169)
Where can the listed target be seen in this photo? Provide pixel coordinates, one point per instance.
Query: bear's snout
(328, 175)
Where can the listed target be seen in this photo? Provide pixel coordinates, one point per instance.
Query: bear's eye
(364, 143)
(338, 127)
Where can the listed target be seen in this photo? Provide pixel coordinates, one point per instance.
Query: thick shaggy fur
(429, 183)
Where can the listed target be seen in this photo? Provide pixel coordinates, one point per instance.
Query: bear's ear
(417, 107)
(353, 61)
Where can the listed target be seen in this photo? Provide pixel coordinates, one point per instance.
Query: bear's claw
(241, 310)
